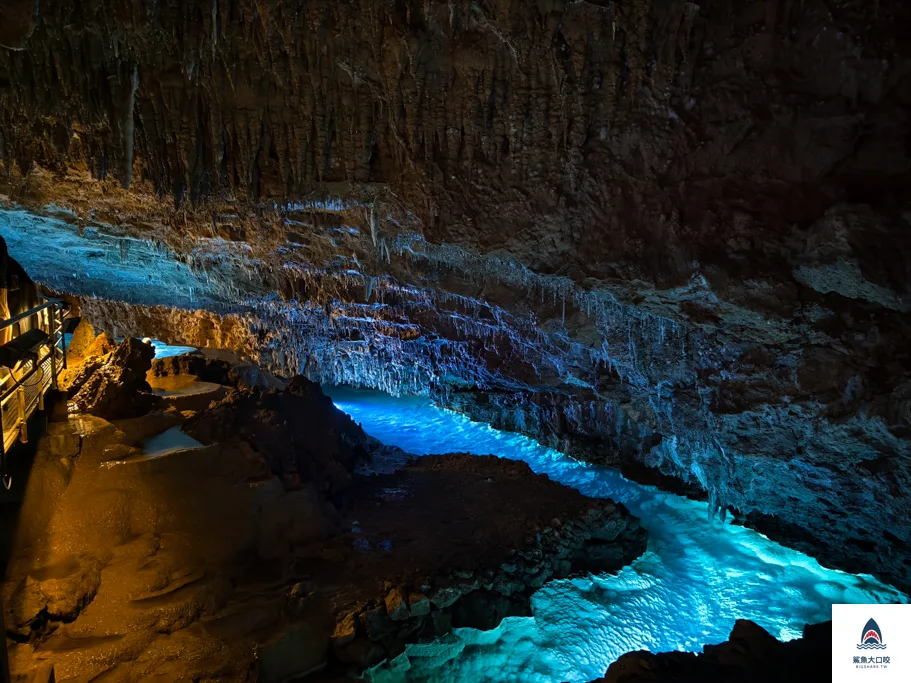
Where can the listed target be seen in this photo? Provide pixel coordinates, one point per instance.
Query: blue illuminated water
(687, 590)
(162, 350)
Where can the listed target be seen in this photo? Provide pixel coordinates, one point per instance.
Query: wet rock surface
(300, 433)
(234, 373)
(750, 655)
(462, 541)
(260, 554)
(115, 387)
(202, 368)
(666, 236)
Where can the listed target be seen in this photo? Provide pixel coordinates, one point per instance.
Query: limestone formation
(507, 533)
(198, 365)
(670, 237)
(148, 557)
(301, 434)
(118, 387)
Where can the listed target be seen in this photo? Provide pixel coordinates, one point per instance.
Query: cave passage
(695, 580)
(538, 250)
(162, 350)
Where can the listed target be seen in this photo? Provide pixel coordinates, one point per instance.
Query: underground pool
(686, 591)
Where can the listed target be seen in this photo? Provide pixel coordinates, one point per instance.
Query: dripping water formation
(448, 341)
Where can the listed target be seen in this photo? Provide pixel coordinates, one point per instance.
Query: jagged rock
(101, 346)
(119, 387)
(302, 435)
(78, 375)
(86, 352)
(608, 532)
(839, 257)
(506, 586)
(484, 610)
(203, 368)
(446, 594)
(345, 629)
(377, 623)
(418, 604)
(82, 340)
(246, 376)
(57, 592)
(397, 604)
(440, 581)
(751, 655)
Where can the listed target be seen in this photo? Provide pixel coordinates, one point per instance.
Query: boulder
(118, 388)
(377, 623)
(246, 376)
(303, 436)
(345, 629)
(56, 592)
(751, 655)
(418, 604)
(203, 368)
(397, 604)
(82, 340)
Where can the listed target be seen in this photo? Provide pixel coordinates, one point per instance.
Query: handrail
(21, 381)
(52, 323)
(30, 312)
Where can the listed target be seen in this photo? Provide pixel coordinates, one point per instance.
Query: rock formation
(751, 656)
(262, 554)
(17, 21)
(199, 366)
(507, 532)
(300, 433)
(670, 237)
(115, 387)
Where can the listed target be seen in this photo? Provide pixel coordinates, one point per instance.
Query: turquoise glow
(162, 350)
(686, 591)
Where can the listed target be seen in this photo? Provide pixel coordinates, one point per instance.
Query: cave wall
(653, 233)
(636, 138)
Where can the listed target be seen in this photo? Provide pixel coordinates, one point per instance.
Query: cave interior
(452, 340)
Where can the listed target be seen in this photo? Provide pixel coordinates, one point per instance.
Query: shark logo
(872, 638)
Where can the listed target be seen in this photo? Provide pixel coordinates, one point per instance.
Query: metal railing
(22, 392)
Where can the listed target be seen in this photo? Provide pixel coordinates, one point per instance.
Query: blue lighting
(695, 580)
(162, 350)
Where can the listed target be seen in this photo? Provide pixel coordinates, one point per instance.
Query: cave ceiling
(674, 236)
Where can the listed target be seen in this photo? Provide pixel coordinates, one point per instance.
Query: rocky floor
(147, 553)
(462, 541)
